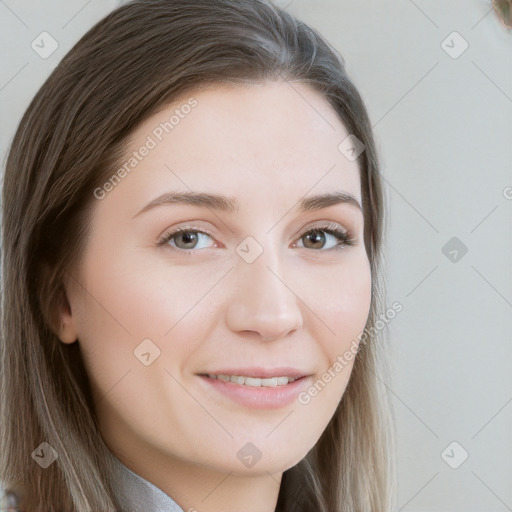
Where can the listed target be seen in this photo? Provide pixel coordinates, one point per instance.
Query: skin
(267, 145)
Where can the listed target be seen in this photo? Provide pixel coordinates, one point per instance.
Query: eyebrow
(230, 204)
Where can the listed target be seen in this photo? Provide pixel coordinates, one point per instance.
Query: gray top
(135, 494)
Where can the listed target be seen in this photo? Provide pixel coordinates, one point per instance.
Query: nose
(264, 302)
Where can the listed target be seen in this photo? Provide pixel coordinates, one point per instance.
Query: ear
(53, 296)
(66, 328)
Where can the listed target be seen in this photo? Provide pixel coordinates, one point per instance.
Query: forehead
(268, 140)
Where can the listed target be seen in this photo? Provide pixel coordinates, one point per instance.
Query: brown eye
(316, 238)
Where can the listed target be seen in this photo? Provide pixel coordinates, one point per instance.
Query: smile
(254, 381)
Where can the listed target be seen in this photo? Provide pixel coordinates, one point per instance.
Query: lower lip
(259, 397)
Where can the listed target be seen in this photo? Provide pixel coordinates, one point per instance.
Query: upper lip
(259, 372)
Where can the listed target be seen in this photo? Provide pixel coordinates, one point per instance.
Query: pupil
(316, 237)
(188, 237)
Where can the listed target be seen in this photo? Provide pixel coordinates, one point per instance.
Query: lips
(254, 397)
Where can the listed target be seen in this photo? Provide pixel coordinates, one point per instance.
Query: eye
(187, 238)
(315, 237)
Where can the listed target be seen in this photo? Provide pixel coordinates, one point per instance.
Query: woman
(192, 229)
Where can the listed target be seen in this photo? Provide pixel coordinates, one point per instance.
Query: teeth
(254, 382)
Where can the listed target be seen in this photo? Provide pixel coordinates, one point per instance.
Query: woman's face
(245, 290)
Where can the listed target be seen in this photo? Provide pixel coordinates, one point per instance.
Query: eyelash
(332, 229)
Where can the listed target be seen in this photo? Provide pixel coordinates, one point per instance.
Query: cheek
(121, 311)
(341, 306)
(353, 304)
(341, 298)
(128, 302)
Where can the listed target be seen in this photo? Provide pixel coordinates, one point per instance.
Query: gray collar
(135, 494)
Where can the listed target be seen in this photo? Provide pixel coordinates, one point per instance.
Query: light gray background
(444, 130)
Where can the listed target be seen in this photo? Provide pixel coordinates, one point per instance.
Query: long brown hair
(136, 60)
